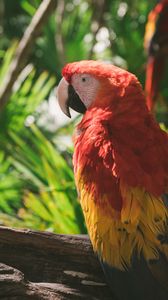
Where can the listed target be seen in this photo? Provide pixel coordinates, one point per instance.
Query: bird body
(121, 172)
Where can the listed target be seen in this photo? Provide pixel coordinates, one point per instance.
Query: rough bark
(42, 265)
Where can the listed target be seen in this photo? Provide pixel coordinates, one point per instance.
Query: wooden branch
(59, 40)
(24, 48)
(98, 10)
(42, 265)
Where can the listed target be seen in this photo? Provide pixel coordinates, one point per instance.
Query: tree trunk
(42, 265)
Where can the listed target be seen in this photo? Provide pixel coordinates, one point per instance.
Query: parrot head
(87, 84)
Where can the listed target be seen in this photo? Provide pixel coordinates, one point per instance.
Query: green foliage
(10, 186)
(29, 91)
(79, 28)
(50, 197)
(37, 188)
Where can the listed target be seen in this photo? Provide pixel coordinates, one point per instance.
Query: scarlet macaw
(156, 43)
(121, 172)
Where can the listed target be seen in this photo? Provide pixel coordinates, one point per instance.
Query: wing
(119, 189)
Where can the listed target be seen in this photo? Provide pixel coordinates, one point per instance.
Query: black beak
(67, 97)
(74, 100)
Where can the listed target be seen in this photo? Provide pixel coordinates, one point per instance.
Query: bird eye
(83, 79)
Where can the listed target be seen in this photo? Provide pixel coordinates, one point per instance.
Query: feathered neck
(129, 141)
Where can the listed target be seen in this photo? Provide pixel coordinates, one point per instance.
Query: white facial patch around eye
(86, 86)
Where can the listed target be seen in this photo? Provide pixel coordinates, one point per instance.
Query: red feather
(121, 167)
(133, 150)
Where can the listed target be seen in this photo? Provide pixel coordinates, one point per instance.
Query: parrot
(156, 44)
(121, 173)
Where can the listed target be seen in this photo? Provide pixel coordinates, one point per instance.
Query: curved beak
(62, 94)
(67, 97)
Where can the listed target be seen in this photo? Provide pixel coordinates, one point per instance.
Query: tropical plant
(37, 187)
(10, 186)
(50, 199)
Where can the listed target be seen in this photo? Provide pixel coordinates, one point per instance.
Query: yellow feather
(115, 238)
(131, 206)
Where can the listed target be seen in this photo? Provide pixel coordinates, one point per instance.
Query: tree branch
(59, 40)
(24, 48)
(98, 9)
(42, 265)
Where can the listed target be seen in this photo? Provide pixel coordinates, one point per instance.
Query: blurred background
(37, 187)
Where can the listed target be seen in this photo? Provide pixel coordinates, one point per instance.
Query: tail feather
(144, 271)
(159, 270)
(138, 282)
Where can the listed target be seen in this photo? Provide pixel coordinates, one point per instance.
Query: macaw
(121, 172)
(156, 44)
